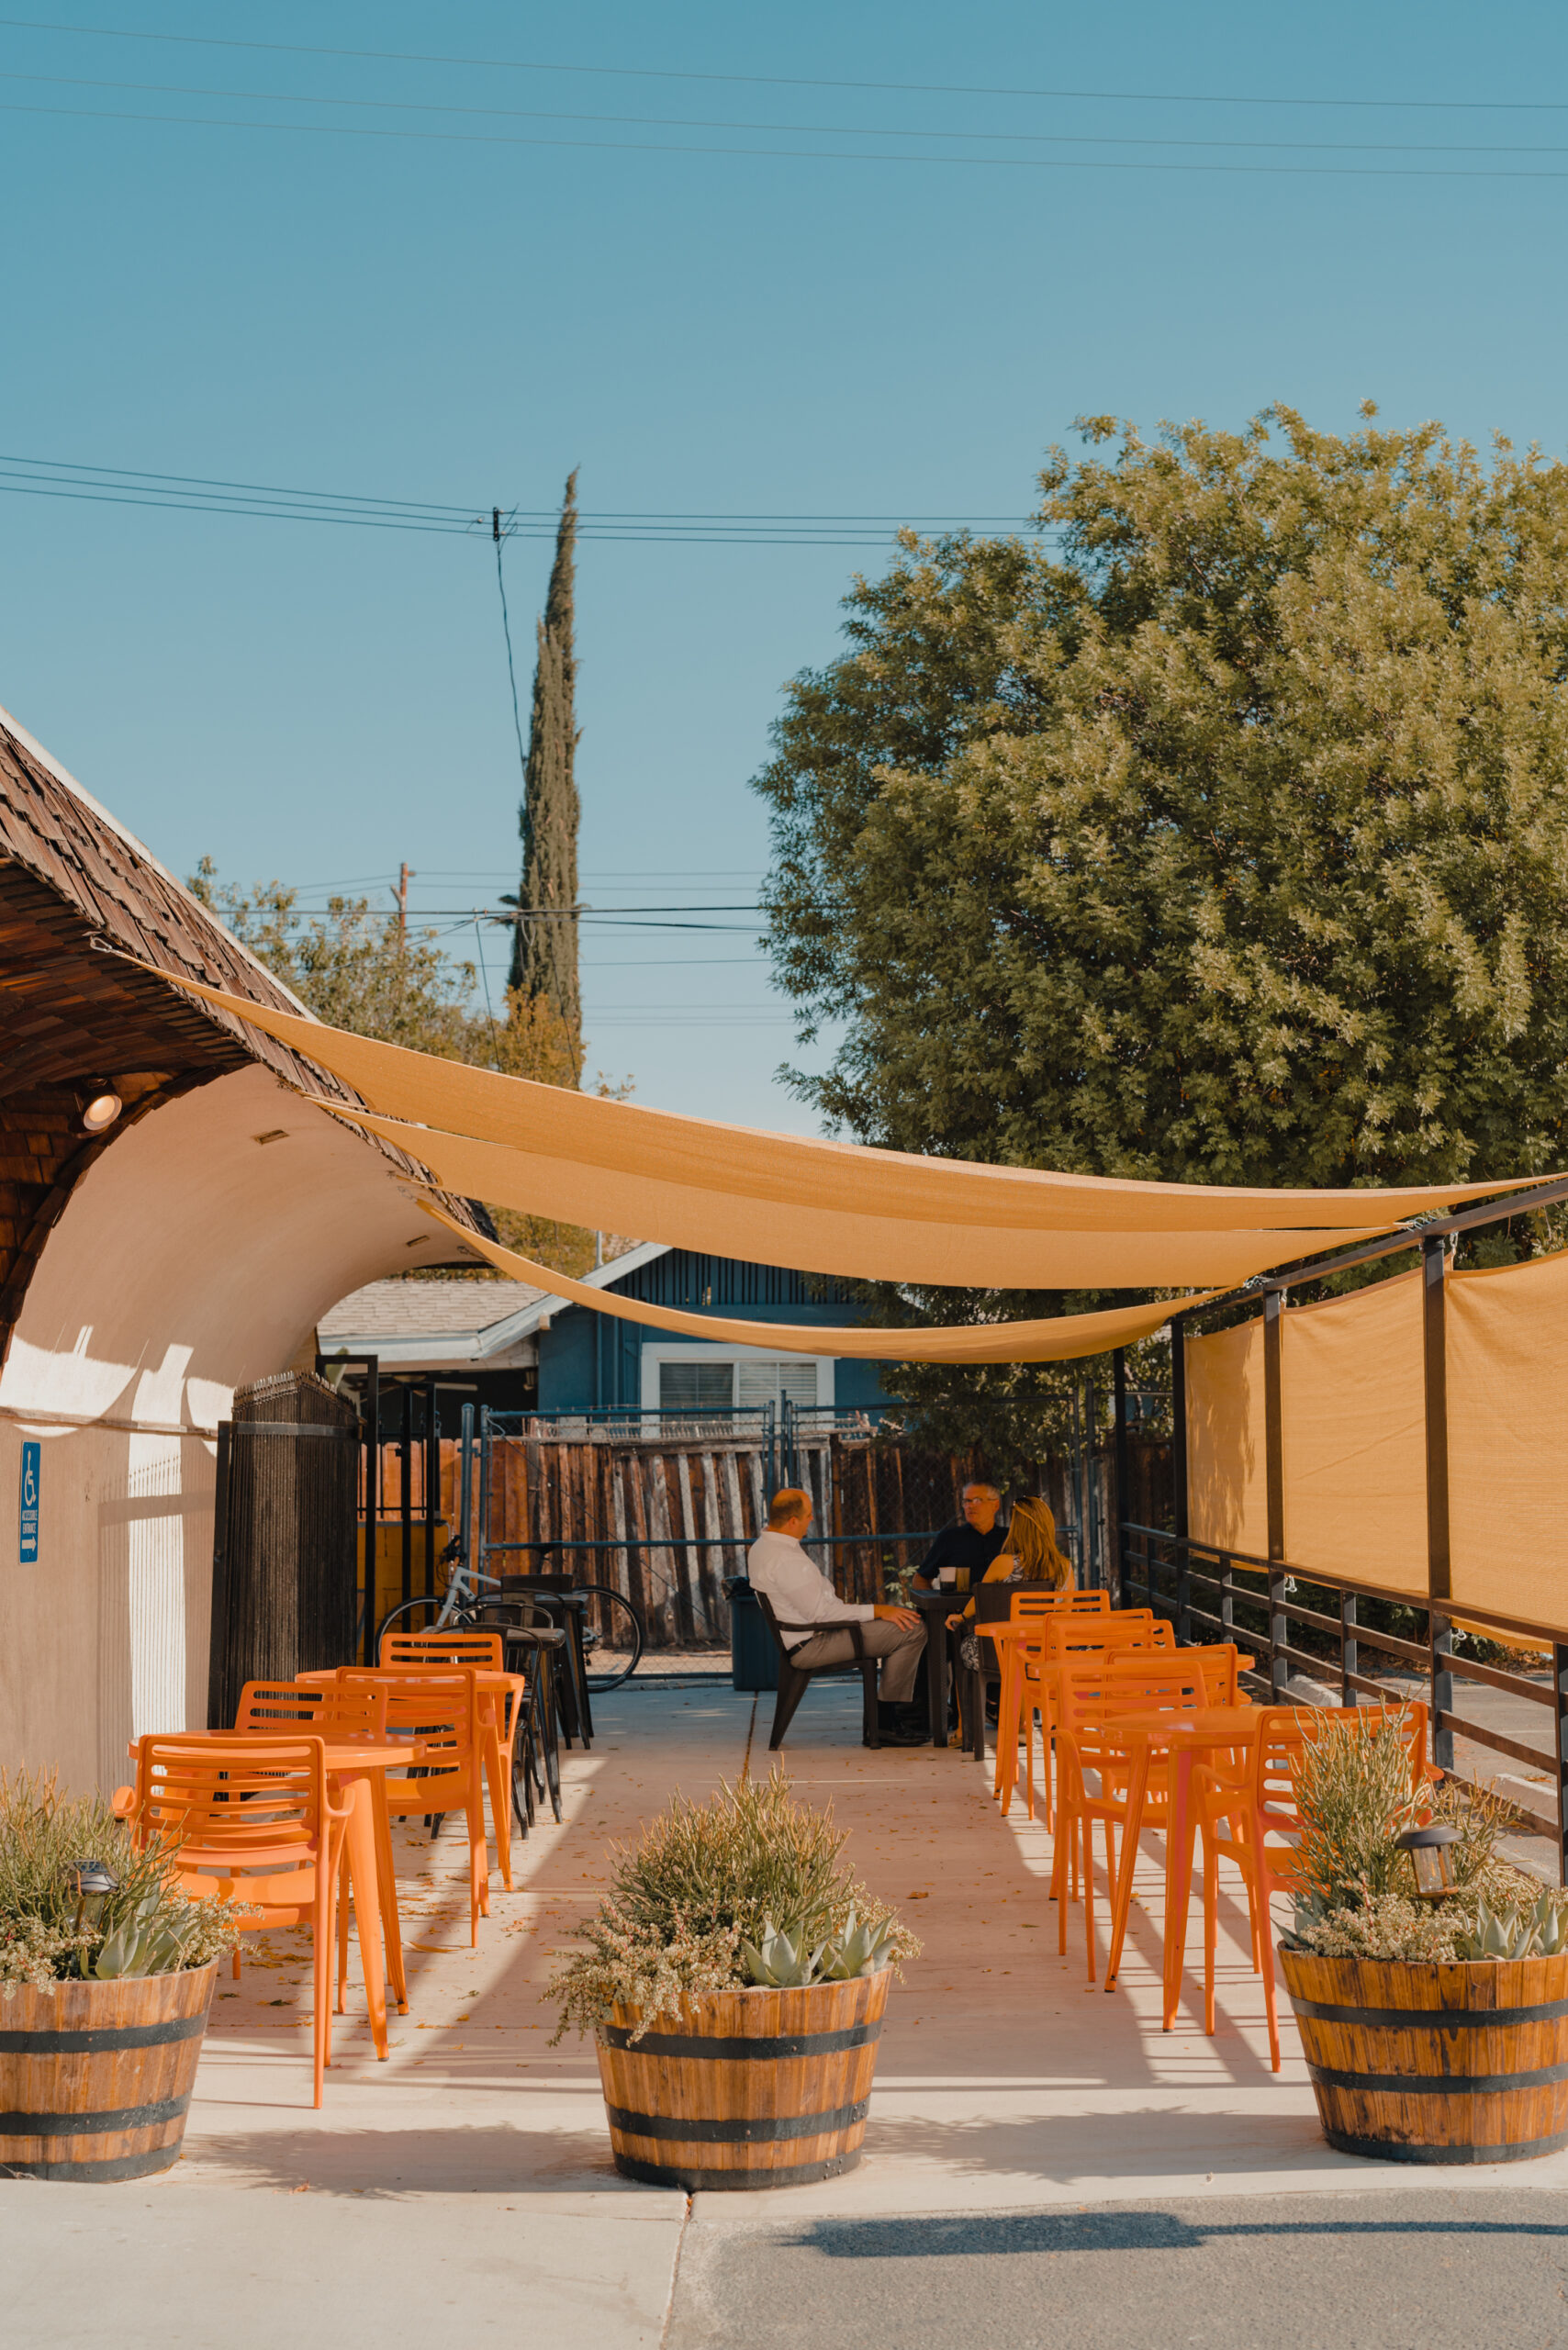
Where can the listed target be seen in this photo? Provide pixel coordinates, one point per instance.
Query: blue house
(516, 1349)
(589, 1362)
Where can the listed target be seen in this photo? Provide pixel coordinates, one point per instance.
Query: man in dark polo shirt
(973, 1542)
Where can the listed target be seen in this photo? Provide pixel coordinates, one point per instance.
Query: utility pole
(405, 875)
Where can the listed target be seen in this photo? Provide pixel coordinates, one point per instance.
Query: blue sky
(459, 317)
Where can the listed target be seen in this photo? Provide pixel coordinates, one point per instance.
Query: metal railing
(1176, 1576)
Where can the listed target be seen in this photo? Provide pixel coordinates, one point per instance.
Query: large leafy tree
(1225, 841)
(1220, 835)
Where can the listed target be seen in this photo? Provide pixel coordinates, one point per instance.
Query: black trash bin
(754, 1660)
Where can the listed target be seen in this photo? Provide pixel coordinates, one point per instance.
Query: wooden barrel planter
(96, 2078)
(1428, 2064)
(747, 2089)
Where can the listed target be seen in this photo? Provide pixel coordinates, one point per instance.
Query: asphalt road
(1424, 2270)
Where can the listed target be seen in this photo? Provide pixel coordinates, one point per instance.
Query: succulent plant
(858, 1950)
(1540, 1931)
(148, 1942)
(783, 1963)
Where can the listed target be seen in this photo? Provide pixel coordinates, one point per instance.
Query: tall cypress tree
(544, 949)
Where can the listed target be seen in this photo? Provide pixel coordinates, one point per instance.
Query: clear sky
(676, 249)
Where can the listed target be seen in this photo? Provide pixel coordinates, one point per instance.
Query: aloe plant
(858, 1950)
(783, 1963)
(1540, 1931)
(147, 1941)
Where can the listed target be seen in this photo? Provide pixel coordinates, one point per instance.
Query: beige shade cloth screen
(1354, 1419)
(1228, 1499)
(1353, 1438)
(1353, 1427)
(823, 1206)
(1507, 1414)
(1061, 1339)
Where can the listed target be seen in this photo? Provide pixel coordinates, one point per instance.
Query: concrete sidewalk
(466, 2184)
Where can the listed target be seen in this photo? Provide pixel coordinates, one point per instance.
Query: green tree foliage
(1224, 838)
(545, 951)
(1227, 844)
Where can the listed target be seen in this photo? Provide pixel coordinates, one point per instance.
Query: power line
(786, 154)
(787, 80)
(803, 129)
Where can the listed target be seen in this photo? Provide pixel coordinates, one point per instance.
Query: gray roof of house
(397, 1309)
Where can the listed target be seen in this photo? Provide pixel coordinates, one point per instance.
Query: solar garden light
(1431, 1857)
(92, 1883)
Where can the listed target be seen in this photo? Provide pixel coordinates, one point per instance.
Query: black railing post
(1350, 1655)
(406, 1482)
(1439, 1571)
(1183, 1595)
(465, 1491)
(1227, 1595)
(1124, 1481)
(1179, 1424)
(1560, 1690)
(1275, 1489)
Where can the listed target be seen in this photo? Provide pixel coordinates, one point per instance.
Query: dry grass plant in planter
(106, 1980)
(734, 1981)
(1435, 2031)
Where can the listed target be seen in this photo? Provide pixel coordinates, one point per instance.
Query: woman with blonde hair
(1031, 1555)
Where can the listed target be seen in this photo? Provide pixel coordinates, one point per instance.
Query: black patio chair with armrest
(793, 1679)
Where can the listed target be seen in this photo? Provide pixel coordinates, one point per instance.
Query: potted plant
(106, 1980)
(1428, 1975)
(735, 1980)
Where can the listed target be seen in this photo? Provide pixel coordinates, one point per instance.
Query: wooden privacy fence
(668, 1518)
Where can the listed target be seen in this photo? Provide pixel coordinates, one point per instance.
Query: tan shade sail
(834, 1239)
(793, 1170)
(1061, 1340)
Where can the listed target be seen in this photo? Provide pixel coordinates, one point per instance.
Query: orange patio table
(1181, 1739)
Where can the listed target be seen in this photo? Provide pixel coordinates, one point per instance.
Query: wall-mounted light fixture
(98, 1104)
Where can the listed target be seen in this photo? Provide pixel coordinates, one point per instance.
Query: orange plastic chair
(1093, 1696)
(1247, 1812)
(402, 1651)
(1031, 1694)
(440, 1714)
(249, 1821)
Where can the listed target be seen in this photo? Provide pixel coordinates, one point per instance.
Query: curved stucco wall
(191, 1257)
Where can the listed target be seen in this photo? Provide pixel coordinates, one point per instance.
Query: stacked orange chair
(441, 1716)
(249, 1821)
(334, 1710)
(1051, 1645)
(1093, 1696)
(485, 1651)
(1247, 1812)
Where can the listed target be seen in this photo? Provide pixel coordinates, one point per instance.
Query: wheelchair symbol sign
(31, 1454)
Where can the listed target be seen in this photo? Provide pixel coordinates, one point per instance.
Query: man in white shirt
(801, 1596)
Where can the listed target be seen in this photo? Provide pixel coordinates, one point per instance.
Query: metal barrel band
(742, 2130)
(697, 2182)
(92, 2125)
(742, 2050)
(106, 2040)
(1391, 2150)
(1433, 2019)
(1437, 2084)
(143, 2165)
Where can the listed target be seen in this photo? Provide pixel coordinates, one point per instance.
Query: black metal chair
(793, 1681)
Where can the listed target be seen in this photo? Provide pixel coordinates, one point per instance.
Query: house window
(696, 1386)
(774, 1382)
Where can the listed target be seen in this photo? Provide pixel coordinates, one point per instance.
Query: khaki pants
(898, 1645)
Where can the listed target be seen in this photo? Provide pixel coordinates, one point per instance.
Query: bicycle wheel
(612, 1637)
(419, 1615)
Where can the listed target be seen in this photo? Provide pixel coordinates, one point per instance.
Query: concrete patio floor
(467, 2182)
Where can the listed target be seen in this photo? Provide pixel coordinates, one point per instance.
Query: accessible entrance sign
(31, 1455)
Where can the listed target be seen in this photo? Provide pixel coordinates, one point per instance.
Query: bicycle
(617, 1635)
